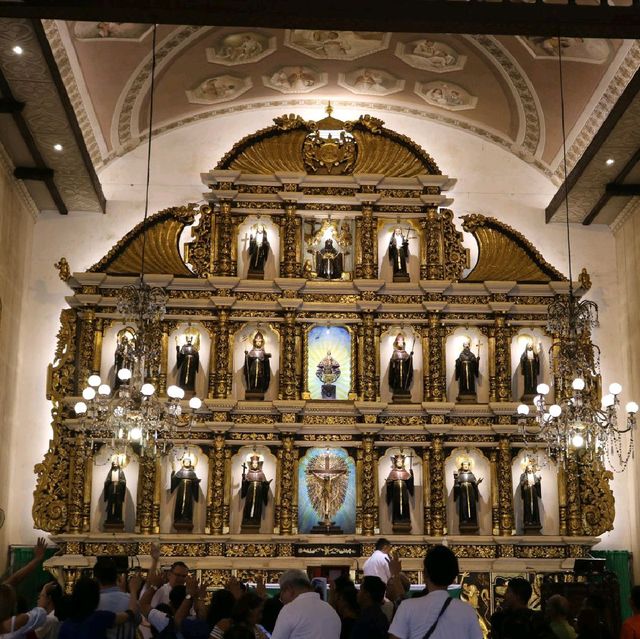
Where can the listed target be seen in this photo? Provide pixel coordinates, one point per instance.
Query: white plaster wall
(491, 181)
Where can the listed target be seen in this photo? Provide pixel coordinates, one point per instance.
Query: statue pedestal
(254, 396)
(532, 529)
(467, 398)
(469, 529)
(328, 391)
(402, 527)
(403, 397)
(527, 398)
(183, 526)
(401, 277)
(255, 275)
(250, 528)
(114, 526)
(326, 528)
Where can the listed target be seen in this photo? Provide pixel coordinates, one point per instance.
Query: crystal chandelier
(132, 413)
(579, 421)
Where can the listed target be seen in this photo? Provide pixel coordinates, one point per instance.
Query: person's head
(518, 593)
(383, 545)
(398, 461)
(346, 598)
(440, 567)
(464, 466)
(328, 244)
(248, 609)
(556, 608)
(293, 583)
(106, 572)
(258, 340)
(84, 598)
(222, 601)
(399, 341)
(50, 596)
(270, 611)
(8, 601)
(466, 345)
(176, 596)
(371, 592)
(178, 573)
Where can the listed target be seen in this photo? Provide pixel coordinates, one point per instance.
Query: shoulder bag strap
(435, 623)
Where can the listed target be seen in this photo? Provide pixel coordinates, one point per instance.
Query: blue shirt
(93, 627)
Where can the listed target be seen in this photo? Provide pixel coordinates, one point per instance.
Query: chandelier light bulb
(89, 393)
(174, 391)
(81, 408)
(195, 403)
(104, 389)
(135, 433)
(631, 408)
(124, 374)
(147, 390)
(555, 410)
(94, 380)
(578, 384)
(615, 388)
(608, 400)
(543, 389)
(577, 440)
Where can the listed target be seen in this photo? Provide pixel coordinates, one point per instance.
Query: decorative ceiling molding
(7, 166)
(632, 207)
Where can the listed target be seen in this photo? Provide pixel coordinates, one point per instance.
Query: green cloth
(618, 562)
(29, 589)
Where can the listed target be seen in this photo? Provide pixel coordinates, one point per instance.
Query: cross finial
(329, 109)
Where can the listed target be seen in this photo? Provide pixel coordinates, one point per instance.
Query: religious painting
(430, 55)
(368, 81)
(327, 492)
(240, 48)
(297, 79)
(110, 30)
(328, 246)
(220, 88)
(329, 362)
(590, 50)
(336, 45)
(446, 95)
(475, 589)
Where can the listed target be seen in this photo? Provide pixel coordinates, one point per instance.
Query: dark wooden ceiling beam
(427, 16)
(623, 190)
(10, 106)
(39, 174)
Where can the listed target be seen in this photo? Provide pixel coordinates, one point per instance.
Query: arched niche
(177, 338)
(243, 341)
(109, 344)
(248, 228)
(338, 341)
(454, 344)
(481, 468)
(342, 488)
(549, 504)
(170, 462)
(385, 231)
(385, 464)
(519, 341)
(269, 468)
(316, 231)
(100, 471)
(412, 342)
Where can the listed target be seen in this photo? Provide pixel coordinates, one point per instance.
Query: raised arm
(25, 571)
(153, 582)
(132, 612)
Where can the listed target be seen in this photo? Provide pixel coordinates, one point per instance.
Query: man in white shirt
(304, 615)
(436, 616)
(178, 574)
(378, 564)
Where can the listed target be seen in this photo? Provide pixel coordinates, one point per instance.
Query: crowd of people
(173, 605)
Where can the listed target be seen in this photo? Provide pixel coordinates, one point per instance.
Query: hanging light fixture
(578, 421)
(133, 413)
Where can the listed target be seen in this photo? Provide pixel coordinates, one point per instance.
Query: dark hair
(177, 595)
(521, 588)
(63, 607)
(55, 593)
(240, 631)
(247, 603)
(381, 543)
(348, 596)
(270, 612)
(342, 583)
(179, 564)
(222, 601)
(441, 565)
(635, 597)
(84, 598)
(374, 587)
(105, 571)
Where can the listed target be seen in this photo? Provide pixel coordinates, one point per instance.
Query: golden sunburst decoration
(327, 481)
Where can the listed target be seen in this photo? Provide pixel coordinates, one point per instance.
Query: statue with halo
(328, 372)
(401, 370)
(188, 360)
(531, 494)
(115, 491)
(467, 371)
(399, 485)
(255, 492)
(257, 371)
(186, 484)
(530, 369)
(465, 492)
(258, 252)
(399, 255)
(125, 352)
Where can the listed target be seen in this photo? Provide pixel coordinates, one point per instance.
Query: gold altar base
(324, 528)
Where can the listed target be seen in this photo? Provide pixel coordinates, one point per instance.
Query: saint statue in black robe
(258, 253)
(401, 370)
(467, 370)
(465, 492)
(329, 262)
(328, 372)
(531, 492)
(530, 369)
(400, 487)
(115, 490)
(186, 485)
(125, 353)
(255, 492)
(257, 370)
(187, 361)
(399, 255)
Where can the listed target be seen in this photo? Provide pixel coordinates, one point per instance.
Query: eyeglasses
(179, 575)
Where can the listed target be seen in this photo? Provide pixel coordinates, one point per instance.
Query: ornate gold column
(226, 508)
(438, 500)
(495, 501)
(79, 468)
(368, 359)
(145, 505)
(367, 247)
(290, 261)
(432, 264)
(86, 499)
(368, 485)
(505, 486)
(222, 355)
(216, 492)
(212, 329)
(573, 497)
(426, 491)
(562, 499)
(286, 484)
(224, 264)
(502, 359)
(85, 348)
(97, 345)
(490, 333)
(288, 379)
(436, 383)
(164, 361)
